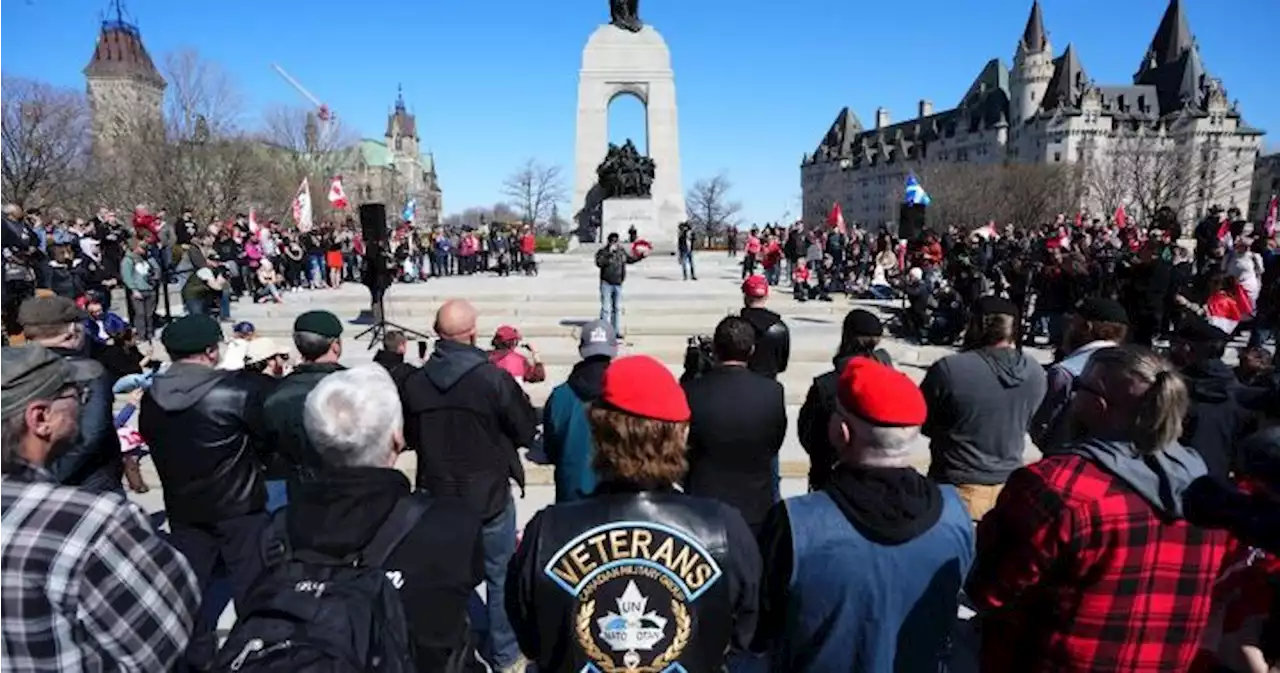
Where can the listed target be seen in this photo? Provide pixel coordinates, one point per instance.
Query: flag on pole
(253, 221)
(1121, 218)
(409, 209)
(1273, 214)
(914, 194)
(836, 219)
(337, 197)
(1224, 228)
(302, 206)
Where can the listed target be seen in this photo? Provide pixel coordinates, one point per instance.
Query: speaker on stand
(911, 221)
(377, 274)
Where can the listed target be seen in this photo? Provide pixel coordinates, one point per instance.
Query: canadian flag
(1269, 225)
(836, 219)
(1122, 218)
(337, 197)
(253, 221)
(302, 206)
(1224, 228)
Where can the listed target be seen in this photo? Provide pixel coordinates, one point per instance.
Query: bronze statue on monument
(625, 172)
(625, 14)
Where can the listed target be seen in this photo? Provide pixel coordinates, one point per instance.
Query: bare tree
(474, 216)
(46, 136)
(710, 209)
(534, 189)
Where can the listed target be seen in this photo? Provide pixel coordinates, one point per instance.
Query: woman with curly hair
(637, 575)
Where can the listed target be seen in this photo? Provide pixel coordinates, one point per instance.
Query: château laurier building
(1172, 137)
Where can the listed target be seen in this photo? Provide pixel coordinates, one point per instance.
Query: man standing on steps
(318, 337)
(466, 418)
(684, 243)
(773, 339)
(612, 260)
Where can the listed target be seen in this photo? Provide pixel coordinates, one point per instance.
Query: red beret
(755, 287)
(641, 386)
(880, 395)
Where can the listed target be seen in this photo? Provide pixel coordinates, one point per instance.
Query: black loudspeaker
(373, 222)
(911, 221)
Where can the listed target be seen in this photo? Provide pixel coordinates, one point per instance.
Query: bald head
(456, 321)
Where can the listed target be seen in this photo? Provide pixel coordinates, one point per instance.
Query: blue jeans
(315, 269)
(195, 307)
(277, 494)
(611, 305)
(686, 265)
(499, 539)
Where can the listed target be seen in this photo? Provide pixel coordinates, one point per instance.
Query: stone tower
(402, 130)
(126, 92)
(1032, 69)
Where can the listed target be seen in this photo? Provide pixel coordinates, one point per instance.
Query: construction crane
(322, 111)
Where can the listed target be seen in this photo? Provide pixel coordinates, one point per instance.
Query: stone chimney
(926, 107)
(882, 117)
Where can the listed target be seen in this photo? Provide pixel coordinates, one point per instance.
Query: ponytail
(1158, 421)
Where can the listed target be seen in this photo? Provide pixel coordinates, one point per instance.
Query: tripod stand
(381, 325)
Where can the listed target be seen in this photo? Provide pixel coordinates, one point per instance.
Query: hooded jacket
(395, 365)
(205, 431)
(92, 461)
(435, 567)
(466, 418)
(773, 342)
(980, 408)
(1215, 422)
(566, 433)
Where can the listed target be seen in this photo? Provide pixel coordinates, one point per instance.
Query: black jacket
(612, 262)
(681, 574)
(738, 426)
(1215, 422)
(205, 431)
(773, 342)
(291, 452)
(395, 365)
(435, 567)
(92, 461)
(466, 418)
(815, 414)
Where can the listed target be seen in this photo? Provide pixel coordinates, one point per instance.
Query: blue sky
(494, 82)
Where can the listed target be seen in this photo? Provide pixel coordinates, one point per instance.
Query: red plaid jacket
(1075, 571)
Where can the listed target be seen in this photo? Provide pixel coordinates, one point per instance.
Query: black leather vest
(632, 581)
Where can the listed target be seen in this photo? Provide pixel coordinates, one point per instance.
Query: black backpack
(314, 613)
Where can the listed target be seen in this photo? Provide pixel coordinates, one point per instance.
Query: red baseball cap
(755, 287)
(880, 395)
(506, 333)
(641, 386)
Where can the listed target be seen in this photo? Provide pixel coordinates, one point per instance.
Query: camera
(699, 357)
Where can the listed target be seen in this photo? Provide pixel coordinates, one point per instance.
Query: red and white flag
(836, 219)
(1122, 218)
(1273, 214)
(1224, 228)
(337, 197)
(302, 206)
(253, 221)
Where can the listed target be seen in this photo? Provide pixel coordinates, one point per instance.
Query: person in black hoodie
(1216, 421)
(773, 339)
(859, 337)
(391, 357)
(92, 462)
(466, 418)
(738, 425)
(354, 422)
(1149, 289)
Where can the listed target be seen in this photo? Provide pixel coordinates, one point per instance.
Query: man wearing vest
(864, 575)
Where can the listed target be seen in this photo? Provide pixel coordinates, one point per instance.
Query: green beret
(191, 334)
(323, 323)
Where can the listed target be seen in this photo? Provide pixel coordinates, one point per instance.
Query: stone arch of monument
(640, 93)
(617, 62)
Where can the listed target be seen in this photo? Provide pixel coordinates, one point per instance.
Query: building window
(1057, 157)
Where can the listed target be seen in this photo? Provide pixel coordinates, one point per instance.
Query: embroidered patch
(635, 582)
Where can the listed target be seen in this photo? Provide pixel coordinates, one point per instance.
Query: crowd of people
(221, 262)
(1145, 538)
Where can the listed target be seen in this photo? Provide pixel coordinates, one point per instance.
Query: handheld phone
(422, 349)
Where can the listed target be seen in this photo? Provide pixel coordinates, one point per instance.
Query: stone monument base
(618, 215)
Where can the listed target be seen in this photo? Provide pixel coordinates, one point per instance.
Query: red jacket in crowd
(145, 227)
(528, 244)
(1076, 572)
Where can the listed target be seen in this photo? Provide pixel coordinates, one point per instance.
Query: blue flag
(914, 194)
(409, 208)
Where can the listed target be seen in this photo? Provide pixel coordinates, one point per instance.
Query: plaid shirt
(1077, 572)
(88, 584)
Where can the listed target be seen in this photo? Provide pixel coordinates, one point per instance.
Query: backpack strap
(403, 517)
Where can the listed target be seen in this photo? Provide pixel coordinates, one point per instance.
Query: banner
(302, 206)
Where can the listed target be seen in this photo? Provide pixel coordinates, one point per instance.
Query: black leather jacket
(204, 430)
(773, 342)
(643, 577)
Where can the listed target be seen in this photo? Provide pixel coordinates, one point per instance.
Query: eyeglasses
(78, 393)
